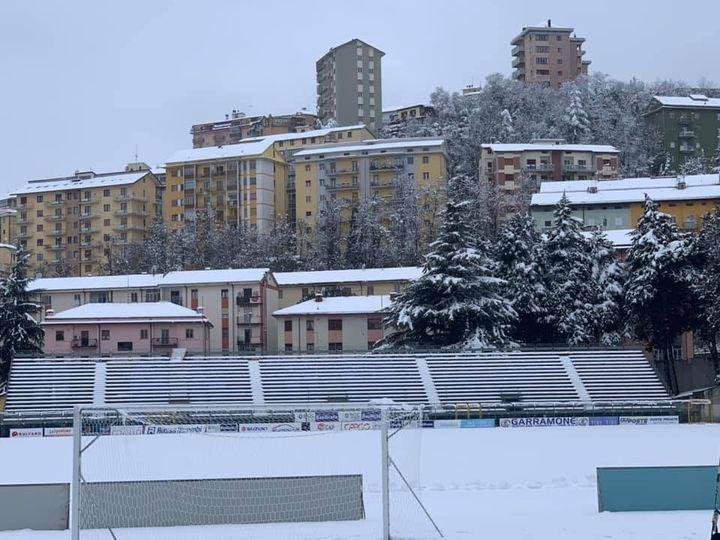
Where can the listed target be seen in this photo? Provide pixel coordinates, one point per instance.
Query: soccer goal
(217, 472)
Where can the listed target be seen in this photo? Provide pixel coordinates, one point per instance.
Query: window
(335, 324)
(106, 193)
(310, 325)
(105, 335)
(39, 198)
(288, 326)
(426, 160)
(542, 49)
(426, 176)
(541, 60)
(189, 333)
(310, 347)
(224, 293)
(134, 297)
(125, 345)
(374, 324)
(370, 290)
(410, 160)
(59, 335)
(335, 346)
(288, 347)
(143, 333)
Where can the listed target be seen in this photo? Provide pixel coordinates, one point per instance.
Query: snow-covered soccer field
(534, 483)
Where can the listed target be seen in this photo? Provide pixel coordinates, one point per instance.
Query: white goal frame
(393, 418)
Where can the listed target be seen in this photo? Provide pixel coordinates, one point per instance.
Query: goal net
(285, 472)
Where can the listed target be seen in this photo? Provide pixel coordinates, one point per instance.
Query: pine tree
(367, 243)
(457, 302)
(19, 332)
(520, 264)
(658, 294)
(706, 283)
(607, 289)
(569, 308)
(507, 129)
(404, 223)
(577, 124)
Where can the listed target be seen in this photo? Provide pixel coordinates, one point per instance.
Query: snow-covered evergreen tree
(19, 331)
(328, 241)
(706, 283)
(568, 278)
(507, 129)
(658, 289)
(520, 264)
(458, 301)
(576, 123)
(608, 292)
(405, 248)
(367, 242)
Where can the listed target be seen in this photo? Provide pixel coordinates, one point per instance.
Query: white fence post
(75, 496)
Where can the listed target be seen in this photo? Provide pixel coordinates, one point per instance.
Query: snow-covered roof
(144, 281)
(373, 145)
(230, 275)
(546, 147)
(101, 180)
(241, 149)
(322, 132)
(166, 311)
(8, 246)
(394, 108)
(337, 305)
(619, 238)
(629, 190)
(694, 101)
(541, 28)
(360, 275)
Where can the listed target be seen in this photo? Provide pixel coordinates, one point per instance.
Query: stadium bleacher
(532, 377)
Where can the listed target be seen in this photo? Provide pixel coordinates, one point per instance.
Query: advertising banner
(166, 430)
(58, 431)
(477, 423)
(604, 420)
(327, 416)
(438, 424)
(648, 420)
(26, 432)
(359, 426)
(126, 430)
(551, 421)
(325, 426)
(222, 428)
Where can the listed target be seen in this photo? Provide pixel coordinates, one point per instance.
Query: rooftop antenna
(136, 153)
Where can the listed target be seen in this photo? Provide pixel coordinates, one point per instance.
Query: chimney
(49, 312)
(318, 297)
(549, 23)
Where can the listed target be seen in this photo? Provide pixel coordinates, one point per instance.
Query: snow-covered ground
(533, 483)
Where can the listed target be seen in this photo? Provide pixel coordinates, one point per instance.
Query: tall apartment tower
(349, 85)
(548, 55)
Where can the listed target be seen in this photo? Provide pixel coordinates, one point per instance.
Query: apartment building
(689, 126)
(246, 184)
(115, 329)
(420, 113)
(296, 287)
(349, 85)
(8, 225)
(7, 258)
(619, 204)
(238, 126)
(548, 55)
(237, 302)
(350, 172)
(524, 166)
(71, 224)
(335, 324)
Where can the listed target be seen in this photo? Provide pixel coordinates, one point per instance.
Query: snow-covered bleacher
(537, 377)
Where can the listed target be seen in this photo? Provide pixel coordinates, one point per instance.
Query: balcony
(130, 212)
(243, 300)
(55, 247)
(540, 167)
(518, 62)
(22, 221)
(128, 197)
(687, 149)
(122, 228)
(686, 134)
(55, 203)
(55, 233)
(684, 120)
(248, 318)
(84, 343)
(88, 245)
(89, 200)
(385, 166)
(576, 167)
(339, 187)
(88, 230)
(518, 49)
(88, 217)
(23, 236)
(165, 342)
(55, 218)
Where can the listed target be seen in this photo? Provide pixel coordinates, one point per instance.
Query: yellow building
(8, 225)
(7, 258)
(350, 172)
(71, 224)
(246, 184)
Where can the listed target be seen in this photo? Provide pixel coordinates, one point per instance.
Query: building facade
(349, 85)
(518, 166)
(422, 114)
(238, 303)
(238, 126)
(689, 128)
(548, 55)
(620, 204)
(72, 224)
(351, 172)
(112, 329)
(296, 287)
(335, 324)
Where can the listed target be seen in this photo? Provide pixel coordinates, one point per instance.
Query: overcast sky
(85, 82)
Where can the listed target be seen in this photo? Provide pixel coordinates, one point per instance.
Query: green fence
(628, 489)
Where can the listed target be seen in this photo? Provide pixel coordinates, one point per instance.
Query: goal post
(352, 469)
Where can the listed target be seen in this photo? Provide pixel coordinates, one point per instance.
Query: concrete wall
(34, 506)
(222, 501)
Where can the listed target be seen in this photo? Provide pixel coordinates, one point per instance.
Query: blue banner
(477, 423)
(604, 420)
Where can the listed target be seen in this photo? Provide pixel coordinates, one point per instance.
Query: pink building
(152, 328)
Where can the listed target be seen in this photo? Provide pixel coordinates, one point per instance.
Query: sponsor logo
(373, 415)
(350, 416)
(58, 431)
(477, 423)
(284, 427)
(428, 423)
(222, 428)
(126, 430)
(254, 428)
(604, 420)
(447, 423)
(96, 430)
(165, 430)
(552, 421)
(327, 416)
(648, 420)
(358, 426)
(327, 426)
(26, 432)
